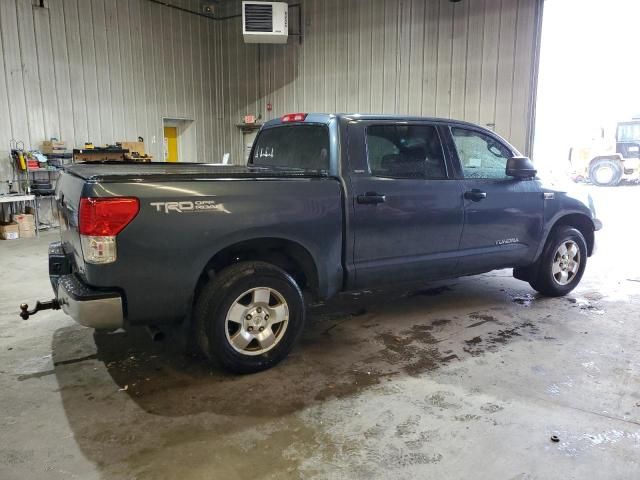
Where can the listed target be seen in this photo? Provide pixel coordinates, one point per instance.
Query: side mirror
(520, 167)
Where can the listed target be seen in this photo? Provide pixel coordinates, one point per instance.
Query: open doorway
(588, 101)
(587, 136)
(179, 141)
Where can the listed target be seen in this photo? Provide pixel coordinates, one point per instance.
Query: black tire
(605, 163)
(545, 281)
(213, 306)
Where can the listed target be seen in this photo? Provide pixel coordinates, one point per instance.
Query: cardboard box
(134, 147)
(9, 231)
(136, 152)
(24, 220)
(26, 224)
(53, 146)
(29, 232)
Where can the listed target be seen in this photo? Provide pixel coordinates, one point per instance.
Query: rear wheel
(605, 172)
(562, 263)
(249, 316)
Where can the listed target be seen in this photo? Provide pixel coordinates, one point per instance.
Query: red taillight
(294, 117)
(106, 217)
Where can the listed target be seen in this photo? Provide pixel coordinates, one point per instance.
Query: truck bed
(106, 172)
(167, 250)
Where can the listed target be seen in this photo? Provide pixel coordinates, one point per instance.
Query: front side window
(481, 155)
(293, 146)
(629, 132)
(405, 151)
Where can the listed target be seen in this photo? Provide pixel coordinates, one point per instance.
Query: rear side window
(481, 155)
(293, 146)
(405, 151)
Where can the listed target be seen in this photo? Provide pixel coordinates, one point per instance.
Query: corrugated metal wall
(474, 60)
(107, 70)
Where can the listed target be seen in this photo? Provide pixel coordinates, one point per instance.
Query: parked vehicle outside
(606, 163)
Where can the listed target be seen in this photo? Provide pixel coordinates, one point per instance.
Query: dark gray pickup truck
(327, 203)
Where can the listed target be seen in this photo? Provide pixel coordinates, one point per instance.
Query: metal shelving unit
(22, 183)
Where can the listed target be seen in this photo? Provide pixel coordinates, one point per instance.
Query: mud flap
(525, 273)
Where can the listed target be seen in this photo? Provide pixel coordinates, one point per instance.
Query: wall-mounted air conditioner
(265, 22)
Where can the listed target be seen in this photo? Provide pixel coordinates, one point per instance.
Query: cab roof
(327, 117)
(291, 118)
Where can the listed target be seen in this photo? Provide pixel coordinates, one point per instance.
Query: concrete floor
(469, 380)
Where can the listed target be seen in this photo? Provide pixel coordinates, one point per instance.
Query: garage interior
(478, 377)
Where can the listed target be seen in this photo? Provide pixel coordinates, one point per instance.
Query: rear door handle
(475, 195)
(371, 198)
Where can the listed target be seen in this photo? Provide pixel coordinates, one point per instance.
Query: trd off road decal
(188, 206)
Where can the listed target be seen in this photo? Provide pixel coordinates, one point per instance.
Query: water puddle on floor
(586, 305)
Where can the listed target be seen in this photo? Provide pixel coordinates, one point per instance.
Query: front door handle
(371, 198)
(475, 195)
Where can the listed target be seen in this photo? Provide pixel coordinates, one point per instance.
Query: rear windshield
(293, 146)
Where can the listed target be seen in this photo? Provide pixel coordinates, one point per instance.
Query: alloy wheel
(257, 321)
(566, 262)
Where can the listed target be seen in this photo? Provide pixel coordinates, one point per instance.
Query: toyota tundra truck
(326, 203)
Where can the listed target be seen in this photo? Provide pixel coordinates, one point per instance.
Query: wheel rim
(566, 262)
(257, 321)
(604, 174)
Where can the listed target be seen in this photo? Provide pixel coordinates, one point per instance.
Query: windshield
(293, 146)
(628, 132)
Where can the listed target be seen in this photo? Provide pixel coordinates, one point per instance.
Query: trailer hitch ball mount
(25, 313)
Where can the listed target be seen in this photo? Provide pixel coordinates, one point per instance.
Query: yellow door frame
(170, 144)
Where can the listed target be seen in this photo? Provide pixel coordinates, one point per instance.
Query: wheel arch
(582, 223)
(287, 254)
(614, 157)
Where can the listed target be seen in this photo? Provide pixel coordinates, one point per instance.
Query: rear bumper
(90, 307)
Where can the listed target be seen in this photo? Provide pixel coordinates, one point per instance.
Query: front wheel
(605, 173)
(249, 316)
(562, 263)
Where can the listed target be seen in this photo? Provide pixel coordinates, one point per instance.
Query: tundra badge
(506, 241)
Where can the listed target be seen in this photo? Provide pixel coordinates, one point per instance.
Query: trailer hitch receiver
(25, 313)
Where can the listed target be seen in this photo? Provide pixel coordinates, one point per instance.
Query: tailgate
(68, 193)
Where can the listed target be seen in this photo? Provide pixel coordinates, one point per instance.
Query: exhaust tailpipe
(156, 334)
